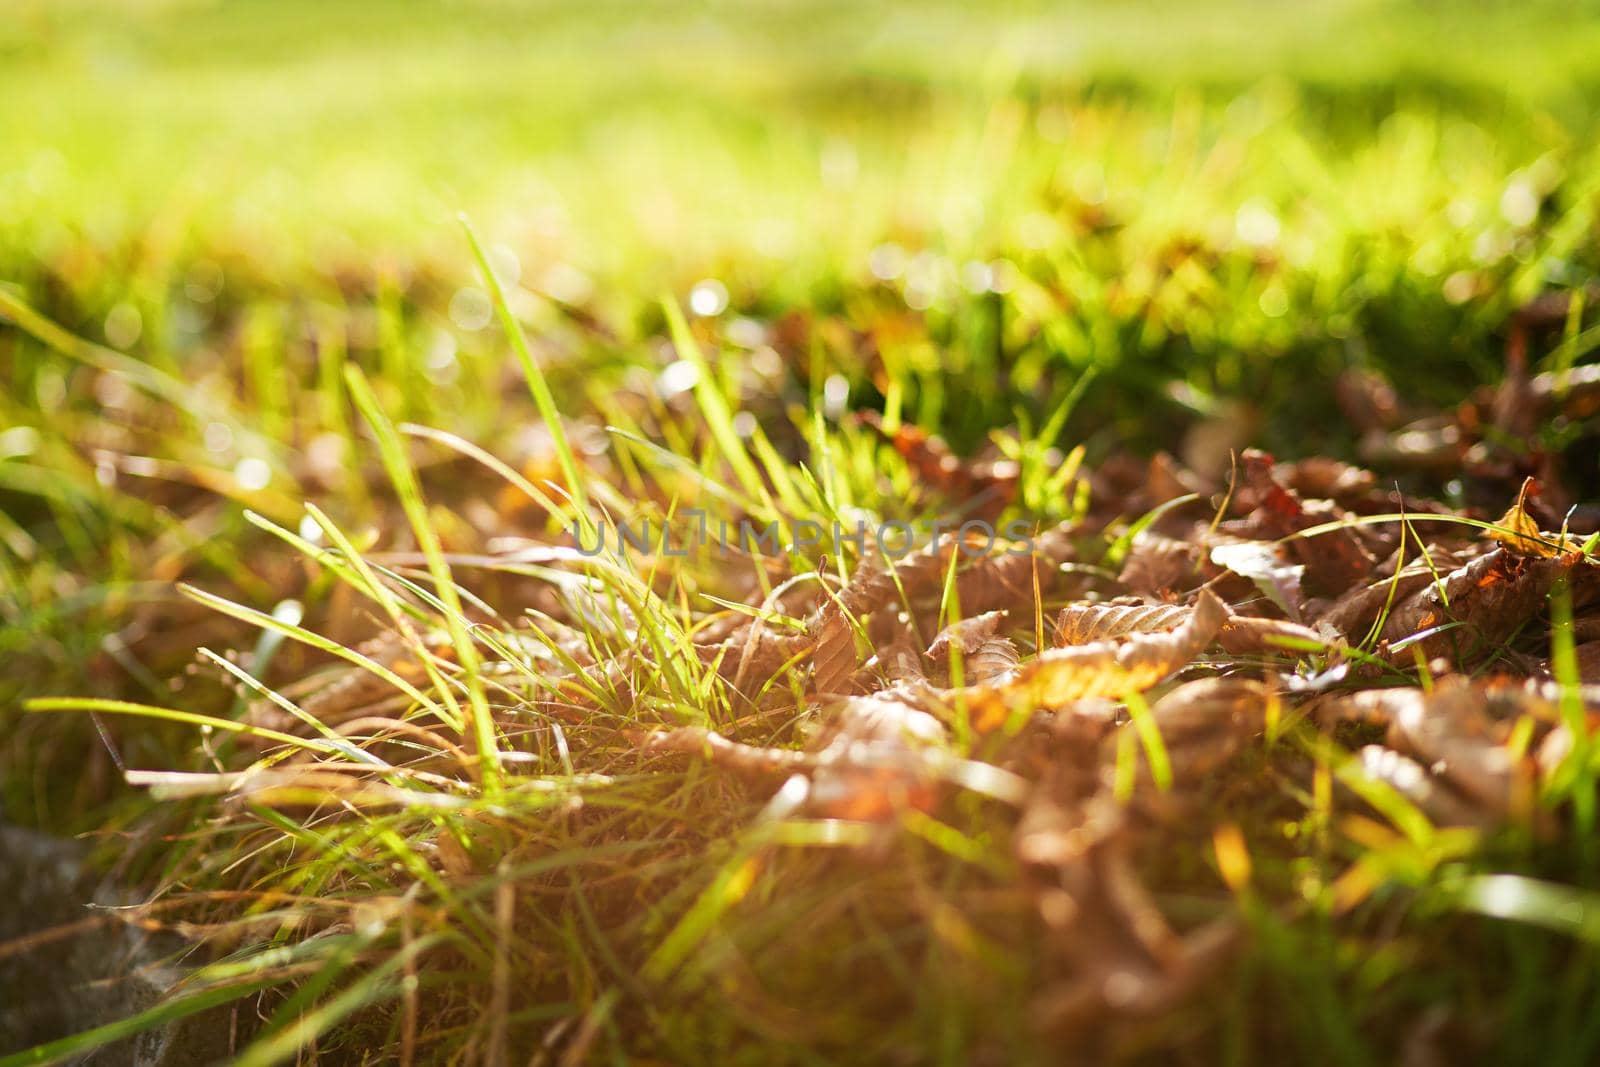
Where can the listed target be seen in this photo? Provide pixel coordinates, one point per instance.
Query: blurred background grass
(956, 208)
(1198, 187)
(308, 135)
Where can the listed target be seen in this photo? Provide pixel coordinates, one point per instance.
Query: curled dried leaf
(966, 635)
(1264, 564)
(1354, 613)
(1244, 634)
(1121, 957)
(754, 649)
(1333, 559)
(899, 660)
(1082, 624)
(1110, 668)
(834, 659)
(1458, 732)
(1519, 532)
(1488, 600)
(1006, 581)
(876, 585)
(993, 662)
(1157, 565)
(1209, 706)
(1203, 724)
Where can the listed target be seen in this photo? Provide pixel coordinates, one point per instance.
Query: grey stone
(108, 972)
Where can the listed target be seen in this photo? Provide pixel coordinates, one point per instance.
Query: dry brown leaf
(1157, 565)
(899, 661)
(1006, 581)
(1273, 510)
(1490, 598)
(1203, 725)
(753, 650)
(874, 585)
(1367, 399)
(1264, 564)
(1120, 956)
(987, 657)
(993, 662)
(1414, 782)
(1587, 656)
(1082, 624)
(1245, 634)
(1103, 669)
(1166, 480)
(1208, 707)
(1354, 613)
(1458, 733)
(966, 635)
(1333, 560)
(834, 659)
(880, 757)
(1329, 479)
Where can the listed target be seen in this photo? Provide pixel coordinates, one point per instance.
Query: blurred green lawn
(310, 134)
(1194, 189)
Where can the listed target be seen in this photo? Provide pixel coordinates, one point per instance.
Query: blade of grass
(543, 399)
(1155, 750)
(317, 641)
(392, 451)
(150, 711)
(719, 420)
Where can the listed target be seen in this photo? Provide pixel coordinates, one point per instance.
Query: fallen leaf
(1110, 668)
(1519, 533)
(1082, 624)
(1262, 563)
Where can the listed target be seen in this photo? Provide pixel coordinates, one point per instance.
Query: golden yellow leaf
(1519, 533)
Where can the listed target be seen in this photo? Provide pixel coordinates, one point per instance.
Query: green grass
(249, 349)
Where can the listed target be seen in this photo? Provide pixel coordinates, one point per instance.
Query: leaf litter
(1271, 593)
